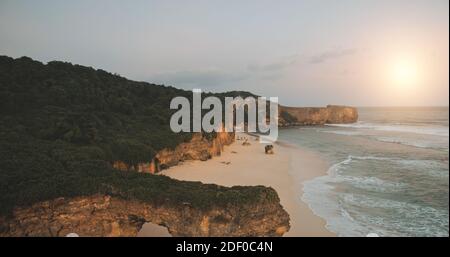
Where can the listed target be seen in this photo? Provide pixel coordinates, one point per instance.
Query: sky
(307, 53)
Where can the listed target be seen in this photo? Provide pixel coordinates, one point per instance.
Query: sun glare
(404, 73)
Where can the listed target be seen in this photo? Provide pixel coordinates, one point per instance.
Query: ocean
(388, 173)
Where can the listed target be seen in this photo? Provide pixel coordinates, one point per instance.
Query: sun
(404, 73)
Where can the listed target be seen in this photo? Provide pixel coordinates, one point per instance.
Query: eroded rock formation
(268, 149)
(198, 148)
(332, 114)
(103, 215)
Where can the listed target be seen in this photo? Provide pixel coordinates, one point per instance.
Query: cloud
(199, 78)
(274, 66)
(331, 54)
(211, 77)
(269, 71)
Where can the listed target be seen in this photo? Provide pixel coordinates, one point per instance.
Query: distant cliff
(332, 114)
(103, 215)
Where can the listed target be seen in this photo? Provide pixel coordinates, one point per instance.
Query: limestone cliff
(103, 215)
(332, 114)
(251, 211)
(198, 148)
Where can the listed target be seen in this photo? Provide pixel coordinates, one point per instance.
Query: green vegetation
(62, 125)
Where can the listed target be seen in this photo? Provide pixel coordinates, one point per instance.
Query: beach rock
(269, 149)
(103, 215)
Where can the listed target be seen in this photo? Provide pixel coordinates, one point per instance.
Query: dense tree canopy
(62, 125)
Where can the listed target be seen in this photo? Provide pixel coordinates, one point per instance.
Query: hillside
(62, 126)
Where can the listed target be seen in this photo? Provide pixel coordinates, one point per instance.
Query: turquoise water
(388, 174)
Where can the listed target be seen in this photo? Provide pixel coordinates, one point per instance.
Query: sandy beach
(249, 165)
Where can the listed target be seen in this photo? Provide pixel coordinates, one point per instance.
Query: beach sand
(153, 230)
(249, 165)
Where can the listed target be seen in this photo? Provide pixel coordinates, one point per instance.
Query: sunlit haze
(308, 53)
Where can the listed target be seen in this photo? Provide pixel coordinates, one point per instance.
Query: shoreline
(249, 165)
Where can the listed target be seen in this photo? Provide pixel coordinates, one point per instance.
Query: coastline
(249, 165)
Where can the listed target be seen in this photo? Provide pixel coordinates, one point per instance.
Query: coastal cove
(248, 165)
(75, 163)
(224, 128)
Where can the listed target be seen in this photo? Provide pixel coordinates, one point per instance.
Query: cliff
(61, 128)
(198, 148)
(332, 114)
(103, 215)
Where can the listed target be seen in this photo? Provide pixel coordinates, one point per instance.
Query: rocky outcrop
(268, 149)
(332, 114)
(198, 148)
(341, 114)
(256, 211)
(103, 215)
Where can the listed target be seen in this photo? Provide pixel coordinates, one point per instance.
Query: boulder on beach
(269, 149)
(246, 143)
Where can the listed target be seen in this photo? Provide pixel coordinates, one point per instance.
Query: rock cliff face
(198, 148)
(103, 215)
(332, 114)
